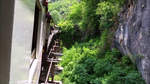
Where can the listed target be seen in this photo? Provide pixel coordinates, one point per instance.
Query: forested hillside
(87, 34)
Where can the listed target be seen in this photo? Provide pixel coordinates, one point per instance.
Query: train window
(35, 30)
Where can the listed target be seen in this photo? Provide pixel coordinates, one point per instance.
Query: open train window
(35, 30)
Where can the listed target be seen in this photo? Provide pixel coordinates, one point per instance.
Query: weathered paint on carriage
(18, 65)
(21, 43)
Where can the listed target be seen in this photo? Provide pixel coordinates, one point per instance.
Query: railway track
(50, 59)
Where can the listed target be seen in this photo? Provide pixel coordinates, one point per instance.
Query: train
(26, 34)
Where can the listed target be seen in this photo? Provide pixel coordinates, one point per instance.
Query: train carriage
(23, 32)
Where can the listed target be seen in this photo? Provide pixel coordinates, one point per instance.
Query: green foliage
(92, 61)
(56, 16)
(75, 13)
(89, 18)
(81, 19)
(83, 64)
(108, 10)
(61, 8)
(67, 15)
(69, 34)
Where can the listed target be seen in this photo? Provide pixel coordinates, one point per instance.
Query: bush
(91, 61)
(108, 12)
(83, 65)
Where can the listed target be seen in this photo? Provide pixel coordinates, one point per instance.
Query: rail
(50, 59)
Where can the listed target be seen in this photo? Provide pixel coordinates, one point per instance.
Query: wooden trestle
(50, 59)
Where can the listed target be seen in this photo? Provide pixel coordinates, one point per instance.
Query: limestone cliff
(133, 35)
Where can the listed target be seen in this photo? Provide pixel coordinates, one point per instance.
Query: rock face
(133, 35)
